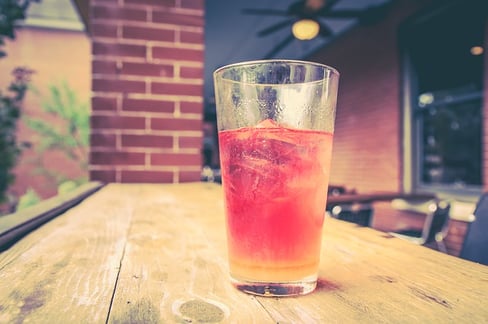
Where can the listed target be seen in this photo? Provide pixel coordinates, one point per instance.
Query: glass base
(276, 289)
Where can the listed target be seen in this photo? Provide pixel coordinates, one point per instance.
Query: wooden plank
(175, 267)
(65, 271)
(368, 276)
(157, 254)
(16, 225)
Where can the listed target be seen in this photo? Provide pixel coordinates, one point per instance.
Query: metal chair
(475, 246)
(360, 214)
(435, 225)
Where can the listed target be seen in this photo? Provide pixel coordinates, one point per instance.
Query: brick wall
(368, 150)
(368, 111)
(147, 83)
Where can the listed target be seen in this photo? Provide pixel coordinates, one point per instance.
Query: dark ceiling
(232, 35)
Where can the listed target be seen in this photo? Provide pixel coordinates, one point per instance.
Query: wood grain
(65, 272)
(14, 226)
(175, 266)
(372, 277)
(157, 254)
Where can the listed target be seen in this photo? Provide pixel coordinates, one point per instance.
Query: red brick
(178, 54)
(193, 4)
(177, 19)
(104, 104)
(146, 33)
(103, 140)
(191, 37)
(191, 72)
(118, 13)
(152, 141)
(117, 122)
(117, 49)
(106, 176)
(147, 69)
(113, 45)
(176, 124)
(189, 176)
(136, 176)
(187, 107)
(158, 3)
(185, 142)
(176, 159)
(368, 122)
(149, 105)
(183, 89)
(103, 30)
(104, 66)
(120, 86)
(117, 158)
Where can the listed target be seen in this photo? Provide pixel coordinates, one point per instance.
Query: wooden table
(157, 254)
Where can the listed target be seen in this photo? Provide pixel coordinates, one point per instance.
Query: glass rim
(221, 69)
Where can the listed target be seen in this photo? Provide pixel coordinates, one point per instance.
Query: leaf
(71, 136)
(67, 186)
(30, 198)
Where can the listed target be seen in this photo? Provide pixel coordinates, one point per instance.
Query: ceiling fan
(305, 19)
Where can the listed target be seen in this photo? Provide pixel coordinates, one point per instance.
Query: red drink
(275, 182)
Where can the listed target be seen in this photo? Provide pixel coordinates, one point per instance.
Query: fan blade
(328, 5)
(279, 47)
(344, 13)
(265, 12)
(275, 27)
(325, 30)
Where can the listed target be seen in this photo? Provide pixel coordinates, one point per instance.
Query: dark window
(446, 82)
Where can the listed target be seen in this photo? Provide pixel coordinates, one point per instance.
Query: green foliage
(10, 105)
(11, 11)
(70, 135)
(67, 186)
(28, 199)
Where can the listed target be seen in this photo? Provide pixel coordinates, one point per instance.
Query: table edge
(16, 225)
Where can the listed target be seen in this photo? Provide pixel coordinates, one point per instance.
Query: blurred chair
(435, 226)
(360, 214)
(475, 246)
(335, 190)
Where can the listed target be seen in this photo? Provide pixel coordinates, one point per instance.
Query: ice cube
(268, 123)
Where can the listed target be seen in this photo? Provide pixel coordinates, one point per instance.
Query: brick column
(147, 83)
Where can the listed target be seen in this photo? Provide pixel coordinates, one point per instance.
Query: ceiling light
(305, 29)
(476, 50)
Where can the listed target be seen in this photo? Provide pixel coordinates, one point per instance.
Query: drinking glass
(275, 123)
